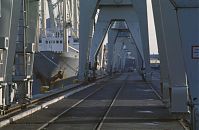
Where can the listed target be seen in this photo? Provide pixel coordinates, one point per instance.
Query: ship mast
(65, 26)
(51, 13)
(75, 17)
(43, 18)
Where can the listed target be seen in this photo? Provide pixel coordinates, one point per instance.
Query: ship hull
(50, 67)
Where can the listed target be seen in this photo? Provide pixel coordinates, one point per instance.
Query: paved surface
(136, 108)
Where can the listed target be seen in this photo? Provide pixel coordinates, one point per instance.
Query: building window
(76, 40)
(46, 42)
(60, 41)
(57, 41)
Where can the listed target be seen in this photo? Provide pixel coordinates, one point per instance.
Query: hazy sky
(152, 34)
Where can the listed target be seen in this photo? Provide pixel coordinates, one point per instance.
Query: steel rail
(68, 109)
(20, 107)
(100, 124)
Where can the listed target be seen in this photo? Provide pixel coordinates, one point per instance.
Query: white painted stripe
(112, 103)
(156, 93)
(35, 109)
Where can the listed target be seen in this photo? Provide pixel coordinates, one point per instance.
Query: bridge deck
(135, 107)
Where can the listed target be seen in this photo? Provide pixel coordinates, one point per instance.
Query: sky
(152, 34)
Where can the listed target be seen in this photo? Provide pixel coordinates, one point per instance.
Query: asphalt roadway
(136, 107)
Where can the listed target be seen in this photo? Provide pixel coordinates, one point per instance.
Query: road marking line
(37, 108)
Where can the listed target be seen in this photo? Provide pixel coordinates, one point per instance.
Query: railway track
(98, 123)
(13, 111)
(20, 107)
(99, 107)
(98, 126)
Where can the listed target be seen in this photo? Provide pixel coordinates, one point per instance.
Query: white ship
(57, 57)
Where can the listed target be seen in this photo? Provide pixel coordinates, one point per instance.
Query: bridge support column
(8, 24)
(189, 32)
(141, 10)
(117, 54)
(101, 59)
(112, 35)
(33, 11)
(164, 72)
(171, 41)
(101, 29)
(0, 8)
(87, 14)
